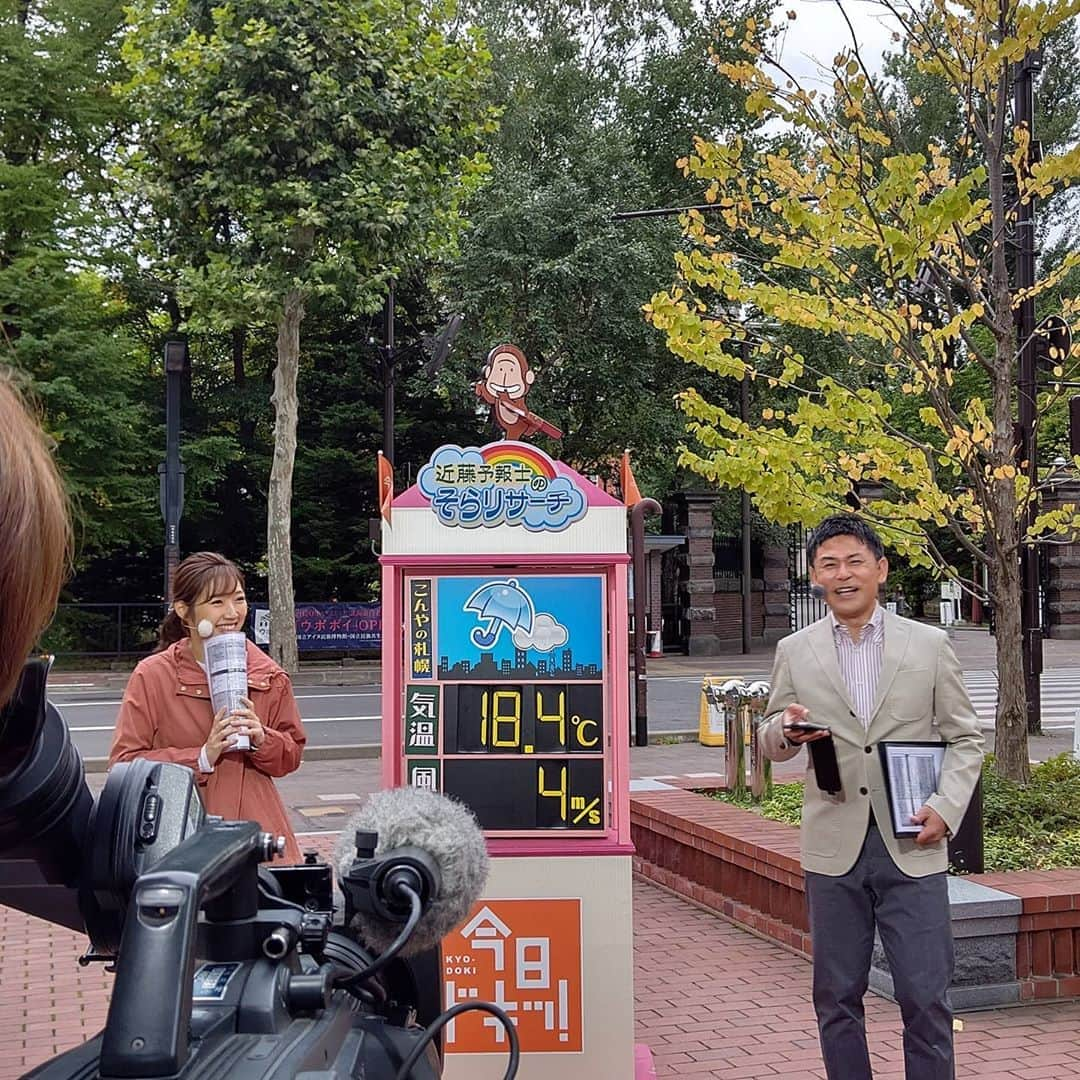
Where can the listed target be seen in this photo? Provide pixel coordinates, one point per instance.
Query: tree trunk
(1010, 737)
(279, 500)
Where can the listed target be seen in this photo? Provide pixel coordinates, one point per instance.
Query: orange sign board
(525, 957)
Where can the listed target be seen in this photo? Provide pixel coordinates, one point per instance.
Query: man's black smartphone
(826, 767)
(806, 727)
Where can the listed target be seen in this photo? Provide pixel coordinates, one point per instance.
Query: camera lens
(44, 804)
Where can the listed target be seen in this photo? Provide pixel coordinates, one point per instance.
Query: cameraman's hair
(843, 525)
(199, 576)
(35, 534)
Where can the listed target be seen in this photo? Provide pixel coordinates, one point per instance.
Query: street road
(349, 715)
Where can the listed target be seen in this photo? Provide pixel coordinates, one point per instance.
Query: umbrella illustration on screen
(502, 604)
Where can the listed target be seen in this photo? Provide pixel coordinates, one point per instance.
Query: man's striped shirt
(860, 661)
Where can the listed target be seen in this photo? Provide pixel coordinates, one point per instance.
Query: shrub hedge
(1032, 827)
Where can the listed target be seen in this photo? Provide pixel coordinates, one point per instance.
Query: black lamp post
(1024, 110)
(171, 471)
(437, 349)
(387, 355)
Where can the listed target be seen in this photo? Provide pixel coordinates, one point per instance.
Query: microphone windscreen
(205, 628)
(817, 592)
(438, 825)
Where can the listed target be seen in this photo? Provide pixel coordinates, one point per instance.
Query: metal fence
(121, 630)
(727, 558)
(804, 608)
(103, 629)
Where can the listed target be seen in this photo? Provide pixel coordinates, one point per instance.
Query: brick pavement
(711, 1000)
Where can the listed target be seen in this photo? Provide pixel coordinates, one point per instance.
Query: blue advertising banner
(327, 626)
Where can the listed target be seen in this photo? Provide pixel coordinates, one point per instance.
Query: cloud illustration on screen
(547, 634)
(561, 503)
(444, 456)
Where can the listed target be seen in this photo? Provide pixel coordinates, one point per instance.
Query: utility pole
(387, 352)
(637, 556)
(744, 514)
(1024, 115)
(171, 470)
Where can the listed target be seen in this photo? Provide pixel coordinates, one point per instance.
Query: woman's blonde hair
(35, 534)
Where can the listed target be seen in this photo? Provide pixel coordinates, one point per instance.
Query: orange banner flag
(386, 486)
(630, 492)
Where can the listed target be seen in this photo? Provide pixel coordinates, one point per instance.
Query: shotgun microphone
(423, 842)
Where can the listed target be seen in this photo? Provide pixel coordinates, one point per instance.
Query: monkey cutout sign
(507, 379)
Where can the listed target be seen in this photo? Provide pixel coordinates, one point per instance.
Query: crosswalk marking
(1060, 696)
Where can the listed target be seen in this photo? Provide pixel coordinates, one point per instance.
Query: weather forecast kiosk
(505, 686)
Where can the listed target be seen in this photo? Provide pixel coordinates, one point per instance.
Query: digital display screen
(545, 793)
(530, 718)
(505, 709)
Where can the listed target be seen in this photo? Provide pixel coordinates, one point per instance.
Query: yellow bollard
(711, 717)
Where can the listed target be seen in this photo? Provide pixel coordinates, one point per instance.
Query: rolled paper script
(226, 668)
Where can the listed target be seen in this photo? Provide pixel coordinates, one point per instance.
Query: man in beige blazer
(870, 676)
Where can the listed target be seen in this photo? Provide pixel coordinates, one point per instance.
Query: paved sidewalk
(714, 1001)
(711, 1000)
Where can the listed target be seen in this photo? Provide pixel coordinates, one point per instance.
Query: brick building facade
(707, 607)
(1063, 579)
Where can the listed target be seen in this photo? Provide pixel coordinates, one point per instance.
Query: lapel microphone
(817, 592)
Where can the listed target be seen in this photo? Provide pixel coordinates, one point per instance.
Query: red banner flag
(386, 486)
(630, 492)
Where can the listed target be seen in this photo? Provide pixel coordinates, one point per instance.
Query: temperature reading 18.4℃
(528, 718)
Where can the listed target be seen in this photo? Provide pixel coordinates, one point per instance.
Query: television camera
(224, 965)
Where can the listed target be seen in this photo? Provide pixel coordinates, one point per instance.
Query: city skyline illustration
(567, 609)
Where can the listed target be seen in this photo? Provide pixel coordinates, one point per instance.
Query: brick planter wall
(747, 868)
(730, 860)
(1048, 940)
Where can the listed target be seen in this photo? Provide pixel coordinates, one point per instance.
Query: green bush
(1033, 827)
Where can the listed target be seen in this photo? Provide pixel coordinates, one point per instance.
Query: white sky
(819, 32)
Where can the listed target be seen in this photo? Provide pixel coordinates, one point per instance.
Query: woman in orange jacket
(166, 713)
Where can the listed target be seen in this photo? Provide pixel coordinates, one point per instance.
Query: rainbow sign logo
(503, 483)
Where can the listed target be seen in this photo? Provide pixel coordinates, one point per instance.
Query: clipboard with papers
(912, 771)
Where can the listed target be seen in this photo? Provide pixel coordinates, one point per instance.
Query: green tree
(299, 150)
(597, 99)
(898, 257)
(62, 324)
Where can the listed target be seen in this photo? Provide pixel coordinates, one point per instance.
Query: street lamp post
(1030, 623)
(389, 374)
(437, 348)
(744, 501)
(171, 470)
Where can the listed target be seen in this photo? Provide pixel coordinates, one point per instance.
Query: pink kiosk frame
(575, 874)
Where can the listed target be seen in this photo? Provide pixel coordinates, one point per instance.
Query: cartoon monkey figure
(507, 379)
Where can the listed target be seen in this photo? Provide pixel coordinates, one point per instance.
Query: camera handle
(146, 1034)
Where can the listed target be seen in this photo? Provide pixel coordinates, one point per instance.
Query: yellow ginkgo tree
(895, 262)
